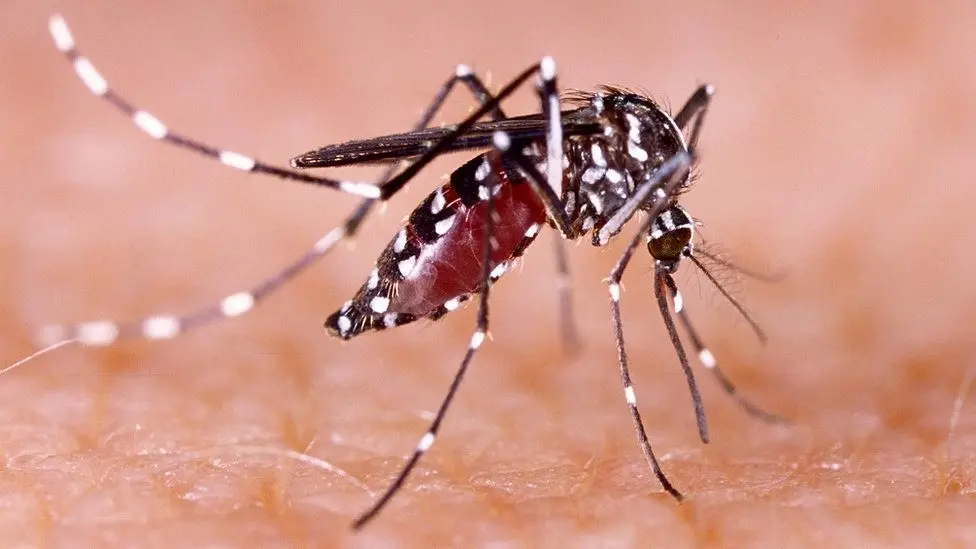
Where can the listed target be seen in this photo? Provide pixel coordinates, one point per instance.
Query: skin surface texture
(838, 150)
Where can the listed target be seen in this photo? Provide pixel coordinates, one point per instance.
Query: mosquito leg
(662, 303)
(708, 359)
(567, 319)
(629, 394)
(549, 188)
(695, 107)
(155, 128)
(477, 338)
(664, 181)
(463, 73)
(166, 326)
(549, 97)
(556, 211)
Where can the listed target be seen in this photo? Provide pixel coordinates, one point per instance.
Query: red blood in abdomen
(451, 266)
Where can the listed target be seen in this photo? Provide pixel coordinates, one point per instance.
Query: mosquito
(584, 165)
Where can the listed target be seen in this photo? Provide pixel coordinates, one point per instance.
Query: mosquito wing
(413, 144)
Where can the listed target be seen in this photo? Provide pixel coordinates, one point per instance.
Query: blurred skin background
(838, 149)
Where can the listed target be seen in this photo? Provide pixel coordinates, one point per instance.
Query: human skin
(838, 150)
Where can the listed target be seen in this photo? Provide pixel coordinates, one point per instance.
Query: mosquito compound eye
(669, 246)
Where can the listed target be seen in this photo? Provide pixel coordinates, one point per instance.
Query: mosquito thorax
(638, 137)
(670, 237)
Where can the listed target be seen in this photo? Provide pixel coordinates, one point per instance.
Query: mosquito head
(670, 237)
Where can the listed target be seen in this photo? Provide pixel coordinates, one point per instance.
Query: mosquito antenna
(745, 314)
(755, 275)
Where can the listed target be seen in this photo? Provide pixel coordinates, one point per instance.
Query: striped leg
(155, 128)
(554, 206)
(550, 197)
(549, 189)
(567, 318)
(695, 107)
(502, 143)
(549, 96)
(662, 185)
(166, 326)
